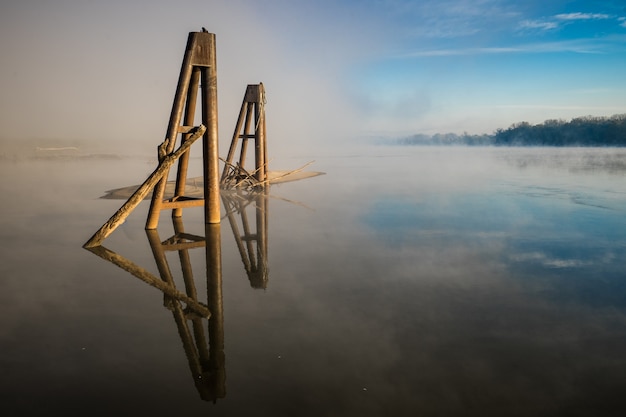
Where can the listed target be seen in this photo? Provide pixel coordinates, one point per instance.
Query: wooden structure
(234, 174)
(199, 65)
(199, 69)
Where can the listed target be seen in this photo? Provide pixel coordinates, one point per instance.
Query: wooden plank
(185, 129)
(182, 204)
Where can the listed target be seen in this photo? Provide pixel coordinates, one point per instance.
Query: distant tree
(580, 131)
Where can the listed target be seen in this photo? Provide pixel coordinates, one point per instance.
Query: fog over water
(407, 280)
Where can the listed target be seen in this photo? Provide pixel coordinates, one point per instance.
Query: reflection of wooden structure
(234, 174)
(199, 64)
(206, 360)
(205, 350)
(252, 243)
(205, 355)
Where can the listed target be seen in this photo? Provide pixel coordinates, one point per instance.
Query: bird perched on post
(204, 30)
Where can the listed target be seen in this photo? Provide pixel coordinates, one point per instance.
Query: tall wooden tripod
(199, 65)
(235, 175)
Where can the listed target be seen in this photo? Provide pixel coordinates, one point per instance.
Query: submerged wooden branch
(285, 174)
(134, 200)
(236, 176)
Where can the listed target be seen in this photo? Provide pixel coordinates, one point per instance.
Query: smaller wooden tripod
(235, 175)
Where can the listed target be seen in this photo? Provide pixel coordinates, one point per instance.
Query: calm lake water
(406, 281)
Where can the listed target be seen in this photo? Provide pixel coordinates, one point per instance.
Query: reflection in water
(206, 364)
(254, 261)
(204, 350)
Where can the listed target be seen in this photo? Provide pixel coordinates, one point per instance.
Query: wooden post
(210, 143)
(190, 111)
(246, 135)
(259, 131)
(234, 140)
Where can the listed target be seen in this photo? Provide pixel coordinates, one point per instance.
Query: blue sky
(107, 70)
(487, 63)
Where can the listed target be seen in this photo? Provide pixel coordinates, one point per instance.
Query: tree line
(580, 131)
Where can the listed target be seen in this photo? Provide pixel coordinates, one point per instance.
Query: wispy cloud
(449, 19)
(582, 16)
(622, 21)
(580, 46)
(537, 24)
(558, 20)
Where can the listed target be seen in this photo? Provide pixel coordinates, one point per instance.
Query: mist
(105, 73)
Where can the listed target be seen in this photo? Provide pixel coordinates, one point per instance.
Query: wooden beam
(149, 184)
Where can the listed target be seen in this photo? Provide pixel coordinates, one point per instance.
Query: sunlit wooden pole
(190, 112)
(173, 127)
(259, 146)
(210, 142)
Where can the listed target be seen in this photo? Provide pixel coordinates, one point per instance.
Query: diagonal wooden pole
(141, 192)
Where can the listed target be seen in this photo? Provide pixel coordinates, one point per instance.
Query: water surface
(405, 281)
